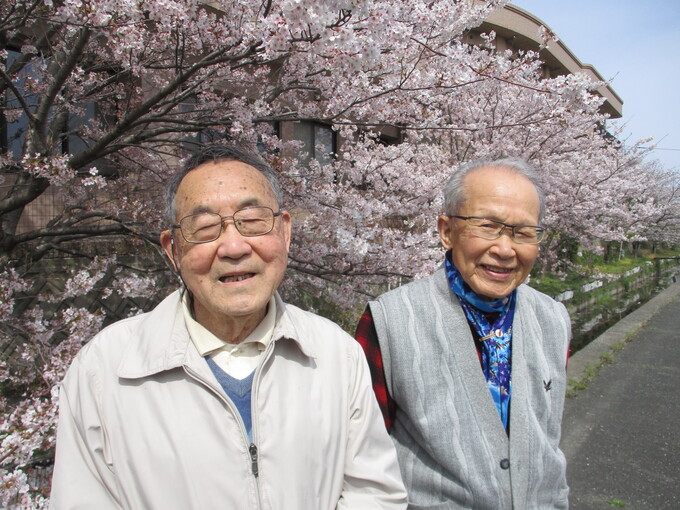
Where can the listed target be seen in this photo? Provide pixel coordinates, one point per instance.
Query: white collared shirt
(237, 360)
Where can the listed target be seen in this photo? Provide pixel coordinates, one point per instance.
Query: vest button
(505, 463)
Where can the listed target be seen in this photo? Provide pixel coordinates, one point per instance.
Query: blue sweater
(239, 391)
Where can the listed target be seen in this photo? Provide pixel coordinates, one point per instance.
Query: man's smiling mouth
(494, 269)
(236, 278)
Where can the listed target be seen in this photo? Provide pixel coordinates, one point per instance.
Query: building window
(14, 125)
(318, 142)
(73, 142)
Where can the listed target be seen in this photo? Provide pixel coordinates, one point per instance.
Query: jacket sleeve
(82, 478)
(372, 479)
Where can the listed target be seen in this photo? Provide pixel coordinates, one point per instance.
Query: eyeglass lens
(491, 229)
(206, 227)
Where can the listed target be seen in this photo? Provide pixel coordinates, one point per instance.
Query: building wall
(518, 29)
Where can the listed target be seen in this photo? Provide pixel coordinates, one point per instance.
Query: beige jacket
(144, 424)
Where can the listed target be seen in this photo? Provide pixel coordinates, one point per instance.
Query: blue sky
(637, 46)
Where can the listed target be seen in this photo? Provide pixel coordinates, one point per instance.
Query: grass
(622, 265)
(607, 357)
(553, 285)
(588, 267)
(617, 503)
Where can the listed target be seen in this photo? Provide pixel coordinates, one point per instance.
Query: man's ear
(286, 221)
(168, 244)
(445, 229)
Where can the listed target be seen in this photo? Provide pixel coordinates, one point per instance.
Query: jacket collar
(161, 341)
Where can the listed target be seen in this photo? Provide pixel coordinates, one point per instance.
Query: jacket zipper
(252, 447)
(253, 459)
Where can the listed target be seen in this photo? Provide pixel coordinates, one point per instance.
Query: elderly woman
(469, 364)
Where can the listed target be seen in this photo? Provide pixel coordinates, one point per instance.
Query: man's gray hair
(455, 189)
(212, 154)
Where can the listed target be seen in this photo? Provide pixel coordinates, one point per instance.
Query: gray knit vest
(453, 450)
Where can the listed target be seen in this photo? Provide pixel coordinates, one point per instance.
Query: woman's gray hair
(455, 189)
(211, 154)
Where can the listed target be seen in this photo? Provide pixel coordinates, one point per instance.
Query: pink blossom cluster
(32, 374)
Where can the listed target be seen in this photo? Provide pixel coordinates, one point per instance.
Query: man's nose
(505, 244)
(231, 243)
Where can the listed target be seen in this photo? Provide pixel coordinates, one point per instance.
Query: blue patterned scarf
(496, 338)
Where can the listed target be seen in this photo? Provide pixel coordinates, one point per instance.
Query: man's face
(493, 268)
(233, 277)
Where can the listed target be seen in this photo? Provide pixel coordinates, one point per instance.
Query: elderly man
(223, 396)
(469, 365)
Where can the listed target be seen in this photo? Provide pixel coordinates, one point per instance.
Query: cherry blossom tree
(101, 99)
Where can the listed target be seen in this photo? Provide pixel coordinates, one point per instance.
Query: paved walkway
(621, 435)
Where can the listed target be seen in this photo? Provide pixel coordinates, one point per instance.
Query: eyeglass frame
(221, 223)
(541, 231)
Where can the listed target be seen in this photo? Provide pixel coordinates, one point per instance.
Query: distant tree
(100, 100)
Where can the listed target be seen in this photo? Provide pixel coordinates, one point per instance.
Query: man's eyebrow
(248, 202)
(201, 209)
(489, 216)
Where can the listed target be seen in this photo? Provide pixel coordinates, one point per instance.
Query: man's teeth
(498, 269)
(236, 278)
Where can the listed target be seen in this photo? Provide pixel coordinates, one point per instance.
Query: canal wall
(599, 303)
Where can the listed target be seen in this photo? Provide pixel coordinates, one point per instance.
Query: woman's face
(493, 268)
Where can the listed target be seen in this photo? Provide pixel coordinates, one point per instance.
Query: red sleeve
(367, 337)
(568, 356)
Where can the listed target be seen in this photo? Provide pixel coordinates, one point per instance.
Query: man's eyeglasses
(493, 229)
(206, 226)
